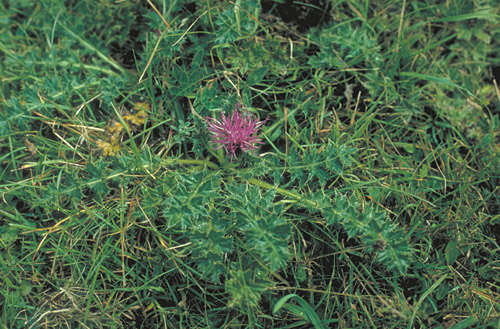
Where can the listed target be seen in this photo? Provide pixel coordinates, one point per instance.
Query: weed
(368, 197)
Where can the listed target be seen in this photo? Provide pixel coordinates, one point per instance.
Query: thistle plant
(240, 131)
(376, 200)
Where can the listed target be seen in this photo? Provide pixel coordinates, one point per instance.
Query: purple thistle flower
(239, 131)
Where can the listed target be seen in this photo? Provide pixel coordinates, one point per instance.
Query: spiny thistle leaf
(372, 227)
(247, 282)
(267, 232)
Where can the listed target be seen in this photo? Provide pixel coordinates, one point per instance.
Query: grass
(372, 203)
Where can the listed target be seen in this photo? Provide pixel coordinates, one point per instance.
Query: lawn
(249, 164)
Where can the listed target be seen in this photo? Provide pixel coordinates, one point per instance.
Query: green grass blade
(442, 80)
(308, 311)
(423, 297)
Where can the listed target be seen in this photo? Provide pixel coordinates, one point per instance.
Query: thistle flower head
(240, 131)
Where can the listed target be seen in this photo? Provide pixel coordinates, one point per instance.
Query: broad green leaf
(451, 252)
(256, 75)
